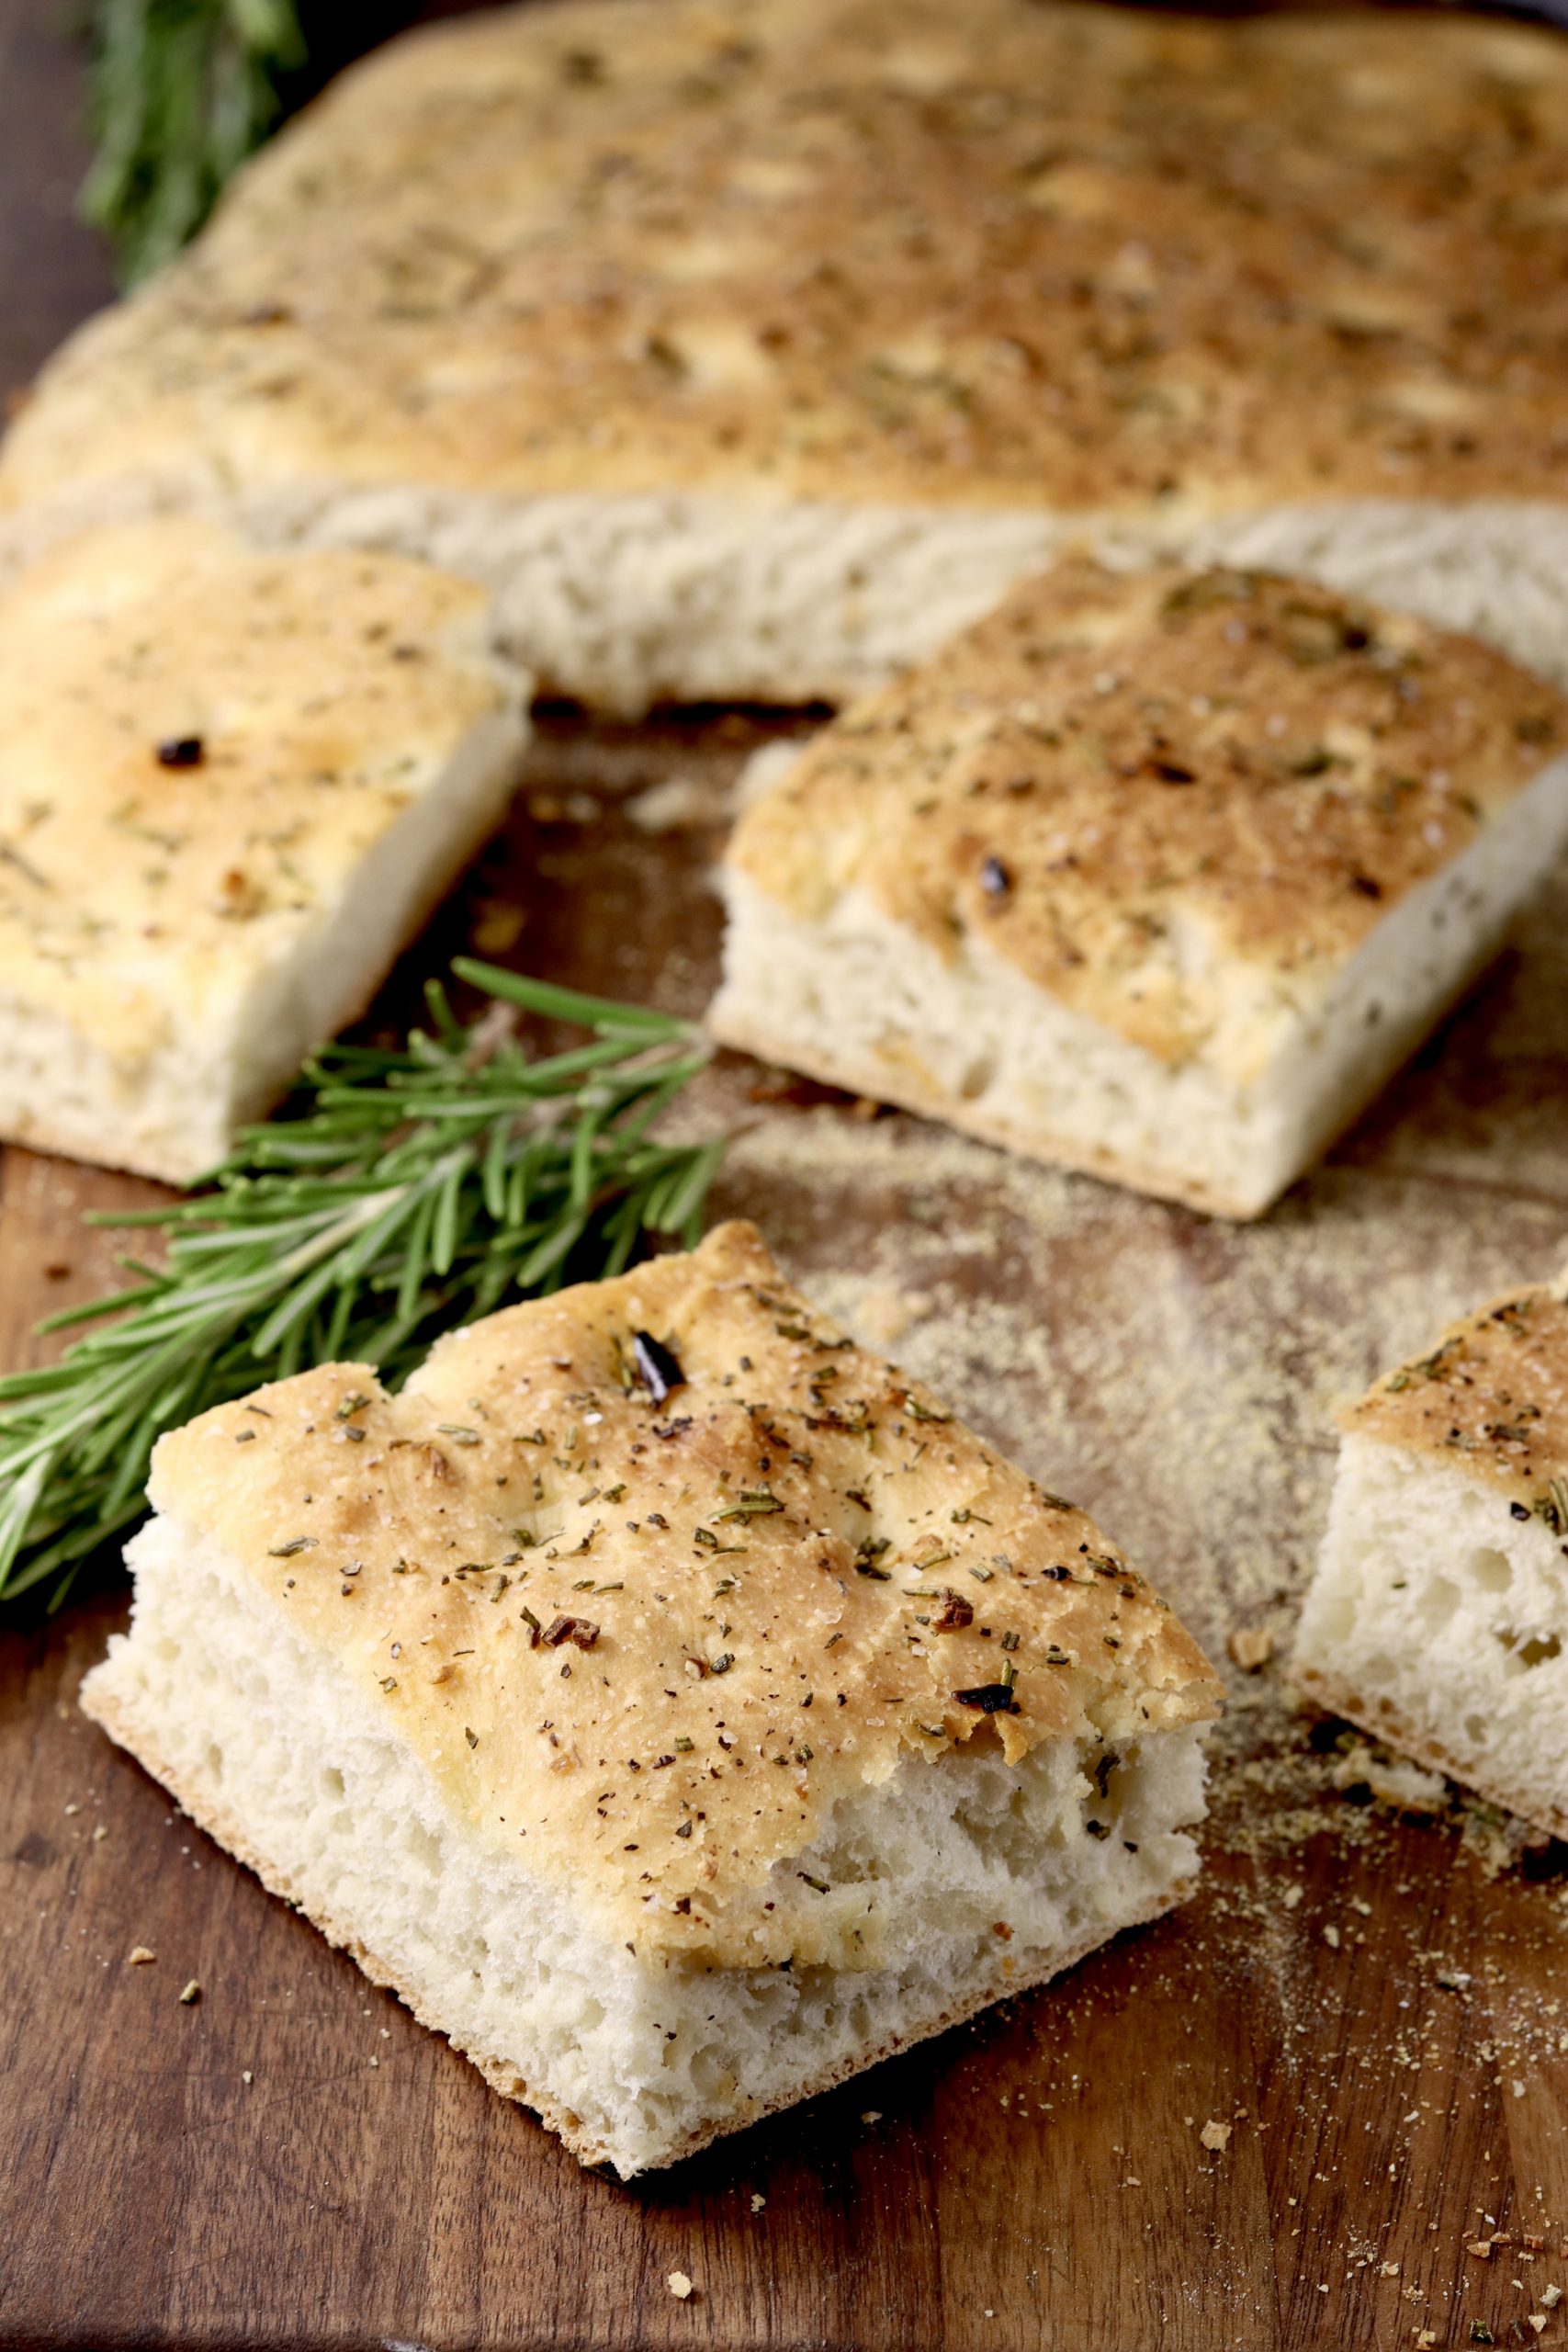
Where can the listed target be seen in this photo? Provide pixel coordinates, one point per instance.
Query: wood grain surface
(1376, 2006)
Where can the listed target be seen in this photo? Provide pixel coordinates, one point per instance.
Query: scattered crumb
(1252, 1646)
(73, 1808)
(886, 1314)
(871, 2115)
(1409, 1788)
(681, 804)
(1424, 2339)
(1331, 1938)
(757, 2202)
(1293, 1895)
(1550, 2297)
(498, 928)
(139, 1955)
(1480, 2247)
(1216, 2136)
(99, 1834)
(1388, 2270)
(247, 2077)
(191, 1993)
(680, 2286)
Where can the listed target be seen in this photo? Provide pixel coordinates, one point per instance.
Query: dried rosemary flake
(1552, 1505)
(869, 1551)
(295, 1544)
(471, 1737)
(757, 1506)
(458, 1434)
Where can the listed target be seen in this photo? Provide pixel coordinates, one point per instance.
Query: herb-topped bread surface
(1158, 873)
(1438, 1616)
(672, 1700)
(233, 784)
(793, 329)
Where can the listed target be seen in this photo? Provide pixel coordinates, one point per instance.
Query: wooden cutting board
(1374, 2008)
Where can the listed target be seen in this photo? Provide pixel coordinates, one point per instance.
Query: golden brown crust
(1385, 1721)
(201, 744)
(1491, 1398)
(1148, 791)
(202, 1800)
(655, 1641)
(1077, 258)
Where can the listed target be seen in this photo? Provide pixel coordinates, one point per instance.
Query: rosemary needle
(395, 1195)
(178, 94)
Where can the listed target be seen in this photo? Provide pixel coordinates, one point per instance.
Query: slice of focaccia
(1439, 1615)
(751, 346)
(232, 786)
(1158, 874)
(671, 1701)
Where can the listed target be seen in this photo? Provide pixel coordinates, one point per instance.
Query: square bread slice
(1438, 1619)
(672, 1701)
(1158, 873)
(749, 347)
(233, 785)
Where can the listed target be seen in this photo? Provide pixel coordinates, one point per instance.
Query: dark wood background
(1377, 2010)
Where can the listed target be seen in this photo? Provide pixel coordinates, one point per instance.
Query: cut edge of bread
(868, 1076)
(1436, 1620)
(271, 1747)
(203, 1807)
(627, 599)
(1393, 1729)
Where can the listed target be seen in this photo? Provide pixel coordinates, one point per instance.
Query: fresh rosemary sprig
(179, 92)
(396, 1194)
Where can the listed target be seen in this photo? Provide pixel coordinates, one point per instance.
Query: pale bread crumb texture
(892, 1732)
(234, 784)
(1439, 1615)
(1160, 873)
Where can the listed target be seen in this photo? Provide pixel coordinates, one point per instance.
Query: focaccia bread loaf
(1438, 1616)
(751, 346)
(233, 784)
(1158, 874)
(672, 1701)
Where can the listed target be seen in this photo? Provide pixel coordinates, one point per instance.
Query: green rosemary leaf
(179, 93)
(397, 1194)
